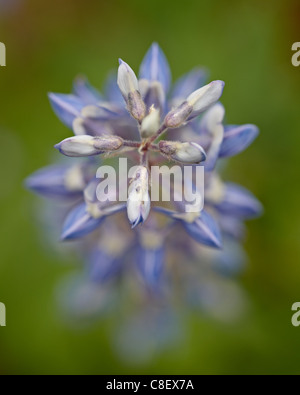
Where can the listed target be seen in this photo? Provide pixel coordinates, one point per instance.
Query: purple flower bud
(178, 116)
(188, 153)
(129, 88)
(85, 145)
(138, 204)
(205, 97)
(150, 124)
(195, 104)
(136, 106)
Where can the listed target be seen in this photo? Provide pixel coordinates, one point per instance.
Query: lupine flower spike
(160, 250)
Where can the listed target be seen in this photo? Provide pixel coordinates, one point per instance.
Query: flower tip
(57, 146)
(218, 85)
(28, 183)
(260, 210)
(255, 130)
(137, 222)
(65, 236)
(80, 78)
(121, 61)
(51, 97)
(218, 244)
(219, 82)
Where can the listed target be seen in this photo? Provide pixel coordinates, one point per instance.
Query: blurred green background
(246, 44)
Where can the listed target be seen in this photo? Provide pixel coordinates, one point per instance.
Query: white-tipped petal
(190, 153)
(129, 88)
(204, 97)
(187, 153)
(138, 208)
(138, 204)
(127, 79)
(213, 117)
(197, 102)
(80, 146)
(150, 123)
(212, 122)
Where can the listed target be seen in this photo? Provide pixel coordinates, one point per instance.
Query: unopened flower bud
(136, 106)
(195, 104)
(204, 97)
(129, 88)
(176, 117)
(150, 124)
(187, 153)
(138, 204)
(79, 146)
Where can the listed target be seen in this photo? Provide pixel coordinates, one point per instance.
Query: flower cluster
(164, 255)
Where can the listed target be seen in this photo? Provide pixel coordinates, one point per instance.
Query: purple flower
(159, 245)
